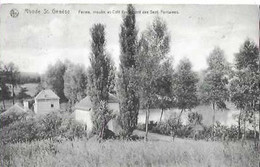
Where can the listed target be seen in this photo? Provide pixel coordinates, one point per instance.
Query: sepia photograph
(129, 85)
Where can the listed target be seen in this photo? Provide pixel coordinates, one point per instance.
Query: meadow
(115, 153)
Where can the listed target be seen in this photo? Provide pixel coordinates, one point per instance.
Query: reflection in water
(225, 118)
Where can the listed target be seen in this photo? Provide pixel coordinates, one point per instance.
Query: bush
(50, 126)
(162, 128)
(195, 118)
(7, 119)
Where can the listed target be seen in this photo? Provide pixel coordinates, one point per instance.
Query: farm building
(46, 101)
(83, 112)
(17, 108)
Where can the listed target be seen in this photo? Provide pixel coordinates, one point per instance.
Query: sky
(33, 41)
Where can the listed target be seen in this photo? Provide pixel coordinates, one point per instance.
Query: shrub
(162, 128)
(7, 119)
(195, 118)
(53, 125)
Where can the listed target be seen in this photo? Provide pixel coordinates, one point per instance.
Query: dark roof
(46, 94)
(86, 104)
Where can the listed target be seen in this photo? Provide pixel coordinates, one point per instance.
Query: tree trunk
(255, 137)
(258, 97)
(239, 125)
(179, 118)
(244, 134)
(259, 123)
(13, 93)
(146, 123)
(161, 115)
(102, 132)
(213, 122)
(4, 103)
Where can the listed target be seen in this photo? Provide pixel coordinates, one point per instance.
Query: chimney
(26, 105)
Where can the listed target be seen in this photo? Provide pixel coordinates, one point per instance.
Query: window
(52, 105)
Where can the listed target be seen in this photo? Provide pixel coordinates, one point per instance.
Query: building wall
(44, 106)
(114, 107)
(84, 117)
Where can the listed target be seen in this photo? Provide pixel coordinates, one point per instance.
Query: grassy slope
(180, 153)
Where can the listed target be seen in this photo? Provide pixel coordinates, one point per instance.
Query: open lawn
(115, 153)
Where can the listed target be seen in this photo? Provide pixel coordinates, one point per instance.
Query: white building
(46, 101)
(83, 112)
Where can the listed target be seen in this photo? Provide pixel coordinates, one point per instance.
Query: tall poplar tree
(127, 86)
(98, 79)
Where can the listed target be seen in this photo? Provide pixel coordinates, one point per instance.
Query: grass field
(115, 153)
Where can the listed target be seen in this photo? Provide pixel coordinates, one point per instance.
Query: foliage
(22, 94)
(26, 77)
(54, 78)
(244, 87)
(98, 73)
(12, 73)
(248, 56)
(164, 87)
(185, 86)
(75, 83)
(214, 87)
(11, 117)
(152, 50)
(195, 118)
(127, 83)
(153, 47)
(51, 126)
(101, 117)
(100, 79)
(4, 91)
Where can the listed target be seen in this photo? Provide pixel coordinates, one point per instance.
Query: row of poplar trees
(142, 63)
(146, 77)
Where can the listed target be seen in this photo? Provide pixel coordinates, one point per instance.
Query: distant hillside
(29, 77)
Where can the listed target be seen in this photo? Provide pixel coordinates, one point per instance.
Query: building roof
(16, 108)
(46, 94)
(86, 104)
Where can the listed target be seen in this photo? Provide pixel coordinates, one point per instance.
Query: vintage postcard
(129, 85)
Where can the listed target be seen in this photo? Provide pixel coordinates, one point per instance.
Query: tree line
(11, 77)
(146, 78)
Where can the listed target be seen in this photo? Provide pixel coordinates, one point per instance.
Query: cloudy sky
(33, 41)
